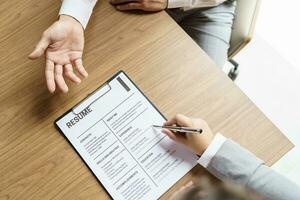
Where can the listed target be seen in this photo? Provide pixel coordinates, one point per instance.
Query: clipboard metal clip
(81, 105)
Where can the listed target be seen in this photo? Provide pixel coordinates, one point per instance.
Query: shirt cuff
(178, 3)
(211, 150)
(81, 10)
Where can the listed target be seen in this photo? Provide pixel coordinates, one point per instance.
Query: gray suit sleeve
(233, 162)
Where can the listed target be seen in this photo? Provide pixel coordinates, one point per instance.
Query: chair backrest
(243, 25)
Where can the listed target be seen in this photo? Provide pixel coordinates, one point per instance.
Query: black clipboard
(88, 96)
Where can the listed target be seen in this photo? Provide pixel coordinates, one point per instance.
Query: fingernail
(30, 56)
(65, 90)
(85, 74)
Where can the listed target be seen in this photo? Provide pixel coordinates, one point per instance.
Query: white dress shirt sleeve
(211, 150)
(81, 10)
(188, 4)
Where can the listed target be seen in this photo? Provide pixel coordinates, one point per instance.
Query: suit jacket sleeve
(236, 163)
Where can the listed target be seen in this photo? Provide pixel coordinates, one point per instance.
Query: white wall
(279, 24)
(270, 74)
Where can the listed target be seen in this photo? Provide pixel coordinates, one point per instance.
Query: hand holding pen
(181, 129)
(194, 133)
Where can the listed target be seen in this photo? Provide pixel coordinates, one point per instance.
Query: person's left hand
(146, 5)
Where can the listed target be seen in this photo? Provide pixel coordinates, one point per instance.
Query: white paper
(115, 138)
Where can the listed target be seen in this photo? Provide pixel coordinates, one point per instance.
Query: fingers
(130, 6)
(40, 47)
(68, 69)
(181, 192)
(197, 143)
(180, 120)
(183, 120)
(54, 76)
(187, 186)
(80, 68)
(177, 137)
(59, 79)
(49, 73)
(170, 134)
(114, 2)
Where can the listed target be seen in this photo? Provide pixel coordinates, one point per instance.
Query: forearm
(233, 162)
(193, 3)
(81, 10)
(272, 185)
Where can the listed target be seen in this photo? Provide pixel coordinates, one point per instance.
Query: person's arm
(226, 159)
(193, 3)
(158, 5)
(232, 161)
(63, 43)
(81, 10)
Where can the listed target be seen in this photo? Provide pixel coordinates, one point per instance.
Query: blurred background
(269, 73)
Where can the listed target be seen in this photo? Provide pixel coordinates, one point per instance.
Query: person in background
(229, 162)
(205, 190)
(208, 22)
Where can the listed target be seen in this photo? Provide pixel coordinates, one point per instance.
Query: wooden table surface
(36, 162)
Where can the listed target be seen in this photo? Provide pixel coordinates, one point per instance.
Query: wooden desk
(36, 162)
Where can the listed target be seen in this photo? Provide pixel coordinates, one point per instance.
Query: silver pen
(180, 129)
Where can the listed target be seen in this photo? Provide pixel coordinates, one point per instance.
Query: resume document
(112, 132)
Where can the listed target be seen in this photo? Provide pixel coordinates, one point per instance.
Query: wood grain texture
(36, 162)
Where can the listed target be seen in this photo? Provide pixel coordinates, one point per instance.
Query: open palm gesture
(62, 43)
